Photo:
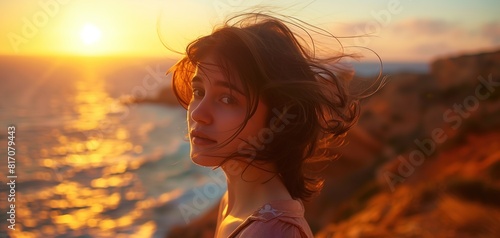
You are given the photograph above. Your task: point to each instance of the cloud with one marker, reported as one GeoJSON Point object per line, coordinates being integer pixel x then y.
{"type": "Point", "coordinates": [354, 28]}
{"type": "Point", "coordinates": [491, 31]}
{"type": "Point", "coordinates": [409, 27]}
{"type": "Point", "coordinates": [424, 26]}
{"type": "Point", "coordinates": [431, 49]}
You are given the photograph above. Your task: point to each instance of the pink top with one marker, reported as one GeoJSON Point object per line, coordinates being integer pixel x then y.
{"type": "Point", "coordinates": [282, 218]}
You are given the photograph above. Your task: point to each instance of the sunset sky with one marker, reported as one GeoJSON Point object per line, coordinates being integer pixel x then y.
{"type": "Point", "coordinates": [403, 30]}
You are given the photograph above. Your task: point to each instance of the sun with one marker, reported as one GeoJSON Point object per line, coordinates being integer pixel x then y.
{"type": "Point", "coordinates": [90, 34]}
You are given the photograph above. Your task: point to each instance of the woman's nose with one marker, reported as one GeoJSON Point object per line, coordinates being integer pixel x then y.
{"type": "Point", "coordinates": [201, 112]}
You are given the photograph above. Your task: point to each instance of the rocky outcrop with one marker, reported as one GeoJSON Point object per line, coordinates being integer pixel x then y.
{"type": "Point", "coordinates": [165, 97]}
{"type": "Point", "coordinates": [455, 195]}
{"type": "Point", "coordinates": [438, 177]}
{"type": "Point", "coordinates": [465, 69]}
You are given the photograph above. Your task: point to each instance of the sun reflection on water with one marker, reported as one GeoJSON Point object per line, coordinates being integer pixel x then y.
{"type": "Point", "coordinates": [89, 188]}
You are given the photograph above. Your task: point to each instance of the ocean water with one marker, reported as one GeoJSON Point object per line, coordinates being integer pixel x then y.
{"type": "Point", "coordinates": [365, 69]}
{"type": "Point", "coordinates": [88, 165]}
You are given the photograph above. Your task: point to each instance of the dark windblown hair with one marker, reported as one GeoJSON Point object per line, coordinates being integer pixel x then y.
{"type": "Point", "coordinates": [275, 65]}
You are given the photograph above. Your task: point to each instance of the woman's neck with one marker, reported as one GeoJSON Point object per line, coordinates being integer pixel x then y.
{"type": "Point", "coordinates": [251, 188]}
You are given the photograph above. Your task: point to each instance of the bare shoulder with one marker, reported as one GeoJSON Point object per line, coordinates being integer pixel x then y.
{"type": "Point", "coordinates": [222, 208]}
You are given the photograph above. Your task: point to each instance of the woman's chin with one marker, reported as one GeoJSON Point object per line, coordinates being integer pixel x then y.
{"type": "Point", "coordinates": [207, 161]}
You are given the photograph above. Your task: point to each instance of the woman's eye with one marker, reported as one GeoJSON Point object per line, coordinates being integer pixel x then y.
{"type": "Point", "coordinates": [198, 92]}
{"type": "Point", "coordinates": [228, 100]}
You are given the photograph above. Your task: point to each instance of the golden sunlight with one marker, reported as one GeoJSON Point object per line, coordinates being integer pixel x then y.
{"type": "Point", "coordinates": [90, 34]}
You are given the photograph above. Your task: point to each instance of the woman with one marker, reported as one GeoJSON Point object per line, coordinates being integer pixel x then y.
{"type": "Point", "coordinates": [262, 107]}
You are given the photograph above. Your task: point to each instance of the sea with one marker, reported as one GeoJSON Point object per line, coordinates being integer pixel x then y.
{"type": "Point", "coordinates": [80, 161]}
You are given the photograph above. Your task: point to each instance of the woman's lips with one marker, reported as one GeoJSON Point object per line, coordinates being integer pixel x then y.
{"type": "Point", "coordinates": [202, 141]}
{"type": "Point", "coordinates": [199, 138]}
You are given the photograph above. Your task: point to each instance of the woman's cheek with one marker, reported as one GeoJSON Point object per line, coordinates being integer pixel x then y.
{"type": "Point", "coordinates": [229, 120]}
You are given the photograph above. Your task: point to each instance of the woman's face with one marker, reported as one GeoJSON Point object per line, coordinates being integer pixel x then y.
{"type": "Point", "coordinates": [217, 109]}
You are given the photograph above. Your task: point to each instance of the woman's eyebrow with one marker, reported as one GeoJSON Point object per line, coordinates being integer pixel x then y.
{"type": "Point", "coordinates": [196, 79]}
{"type": "Point", "coordinates": [225, 84]}
{"type": "Point", "coordinates": [218, 83]}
